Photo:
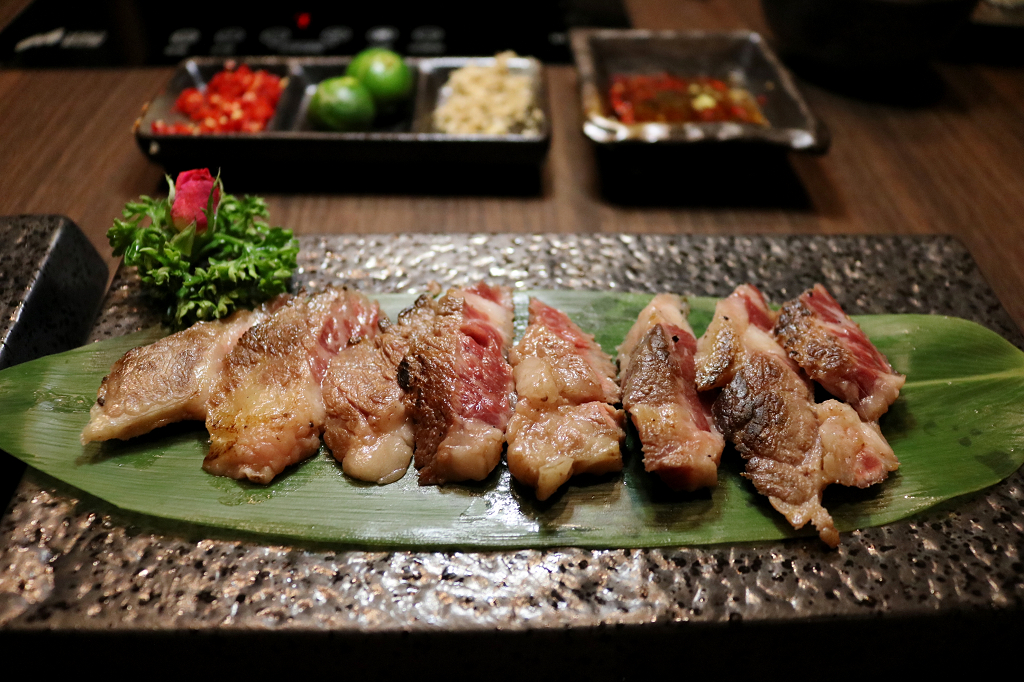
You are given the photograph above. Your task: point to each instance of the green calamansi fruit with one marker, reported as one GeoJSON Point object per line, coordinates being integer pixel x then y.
{"type": "Point", "coordinates": [342, 104]}
{"type": "Point", "coordinates": [385, 75]}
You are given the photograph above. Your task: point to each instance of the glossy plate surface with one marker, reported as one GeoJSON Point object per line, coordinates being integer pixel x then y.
{"type": "Point", "coordinates": [70, 562]}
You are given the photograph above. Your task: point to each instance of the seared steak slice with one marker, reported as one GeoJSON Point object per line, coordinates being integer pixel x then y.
{"type": "Point", "coordinates": [457, 381]}
{"type": "Point", "coordinates": [563, 424]}
{"type": "Point", "coordinates": [267, 410]}
{"type": "Point", "coordinates": [169, 380]}
{"type": "Point", "coordinates": [557, 363]}
{"type": "Point", "coordinates": [679, 444]}
{"type": "Point", "coordinates": [836, 353]}
{"type": "Point", "coordinates": [369, 429]}
{"type": "Point", "coordinates": [767, 411]}
{"type": "Point", "coordinates": [742, 322]}
{"type": "Point", "coordinates": [548, 445]}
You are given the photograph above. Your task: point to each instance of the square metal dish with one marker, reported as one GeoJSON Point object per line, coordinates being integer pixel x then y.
{"type": "Point", "coordinates": [290, 144]}
{"type": "Point", "coordinates": [739, 57]}
{"type": "Point", "coordinates": [73, 565]}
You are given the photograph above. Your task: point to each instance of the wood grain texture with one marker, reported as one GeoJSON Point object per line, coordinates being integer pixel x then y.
{"type": "Point", "coordinates": [955, 167]}
{"type": "Point", "coordinates": [9, 9]}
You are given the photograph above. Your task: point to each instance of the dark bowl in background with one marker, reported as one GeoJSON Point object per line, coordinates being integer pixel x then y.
{"type": "Point", "coordinates": [864, 34]}
{"type": "Point", "coordinates": [873, 50]}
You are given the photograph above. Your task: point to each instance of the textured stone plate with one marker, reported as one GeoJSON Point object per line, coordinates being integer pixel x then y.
{"type": "Point", "coordinates": [76, 565]}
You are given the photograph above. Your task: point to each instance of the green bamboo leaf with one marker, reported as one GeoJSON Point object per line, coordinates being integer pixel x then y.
{"type": "Point", "coordinates": [958, 427]}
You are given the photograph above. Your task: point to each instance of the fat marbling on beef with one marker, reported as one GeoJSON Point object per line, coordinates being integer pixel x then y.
{"type": "Point", "coordinates": [457, 381]}
{"type": "Point", "coordinates": [679, 442]}
{"type": "Point", "coordinates": [369, 428]}
{"type": "Point", "coordinates": [766, 409]}
{"type": "Point", "coordinates": [564, 423]}
{"type": "Point", "coordinates": [836, 353]}
{"type": "Point", "coordinates": [267, 411]}
{"type": "Point", "coordinates": [169, 380]}
{"type": "Point", "coordinates": [793, 447]}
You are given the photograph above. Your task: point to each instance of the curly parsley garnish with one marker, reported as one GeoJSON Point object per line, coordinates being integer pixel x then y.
{"type": "Point", "coordinates": [239, 261]}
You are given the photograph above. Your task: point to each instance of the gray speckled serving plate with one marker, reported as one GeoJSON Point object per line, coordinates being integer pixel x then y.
{"type": "Point", "coordinates": [73, 564]}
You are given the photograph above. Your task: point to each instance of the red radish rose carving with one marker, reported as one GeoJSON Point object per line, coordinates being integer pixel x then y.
{"type": "Point", "coordinates": [192, 197]}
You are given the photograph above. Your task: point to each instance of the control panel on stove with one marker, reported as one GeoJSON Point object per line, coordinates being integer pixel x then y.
{"type": "Point", "coordinates": [61, 33]}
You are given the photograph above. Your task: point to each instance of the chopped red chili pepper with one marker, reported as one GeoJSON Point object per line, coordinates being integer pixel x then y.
{"type": "Point", "coordinates": [235, 101]}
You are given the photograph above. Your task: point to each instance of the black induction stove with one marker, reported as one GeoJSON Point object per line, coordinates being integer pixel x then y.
{"type": "Point", "coordinates": [66, 33]}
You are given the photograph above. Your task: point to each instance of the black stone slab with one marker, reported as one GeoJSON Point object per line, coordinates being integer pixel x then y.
{"type": "Point", "coordinates": [51, 283]}
{"type": "Point", "coordinates": [83, 578]}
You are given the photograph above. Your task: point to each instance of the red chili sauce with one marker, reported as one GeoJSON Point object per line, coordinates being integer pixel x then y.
{"type": "Point", "coordinates": [235, 101]}
{"type": "Point", "coordinates": [661, 98]}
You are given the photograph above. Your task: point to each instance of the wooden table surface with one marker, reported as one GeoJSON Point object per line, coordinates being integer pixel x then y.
{"type": "Point", "coordinates": [955, 167]}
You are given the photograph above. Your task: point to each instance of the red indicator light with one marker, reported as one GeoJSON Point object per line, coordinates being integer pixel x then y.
{"type": "Point", "coordinates": [302, 20]}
